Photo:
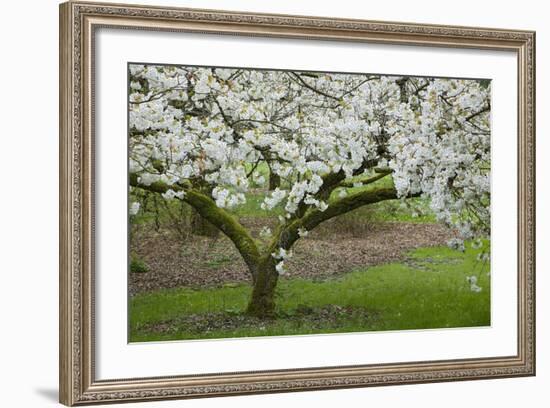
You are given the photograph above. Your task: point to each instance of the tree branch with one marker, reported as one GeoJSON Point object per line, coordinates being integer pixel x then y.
{"type": "Point", "coordinates": [370, 180]}
{"type": "Point", "coordinates": [219, 217]}
{"type": "Point", "coordinates": [312, 88]}
{"type": "Point", "coordinates": [313, 218]}
{"type": "Point", "coordinates": [486, 108]}
{"type": "Point", "coordinates": [346, 204]}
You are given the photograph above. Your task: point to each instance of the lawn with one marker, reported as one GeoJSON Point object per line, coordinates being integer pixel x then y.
{"type": "Point", "coordinates": [429, 289]}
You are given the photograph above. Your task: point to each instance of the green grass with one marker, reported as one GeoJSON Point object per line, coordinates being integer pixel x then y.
{"type": "Point", "coordinates": [251, 208]}
{"type": "Point", "coordinates": [137, 265]}
{"type": "Point", "coordinates": [220, 260]}
{"type": "Point", "coordinates": [429, 290]}
{"type": "Point", "coordinates": [261, 169]}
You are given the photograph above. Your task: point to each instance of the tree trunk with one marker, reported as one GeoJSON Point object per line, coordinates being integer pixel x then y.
{"type": "Point", "coordinates": [262, 302]}
{"type": "Point", "coordinates": [274, 180]}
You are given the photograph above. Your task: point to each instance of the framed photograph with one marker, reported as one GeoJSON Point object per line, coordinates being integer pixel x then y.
{"type": "Point", "coordinates": [256, 203]}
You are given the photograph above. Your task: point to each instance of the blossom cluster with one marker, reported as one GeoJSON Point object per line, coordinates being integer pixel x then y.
{"type": "Point", "coordinates": [209, 128]}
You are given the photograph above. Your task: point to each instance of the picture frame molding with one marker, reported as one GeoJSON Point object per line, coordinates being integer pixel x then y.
{"type": "Point", "coordinates": [78, 22]}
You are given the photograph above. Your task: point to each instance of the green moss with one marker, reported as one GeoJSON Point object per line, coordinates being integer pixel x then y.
{"type": "Point", "coordinates": [228, 224]}
{"type": "Point", "coordinates": [137, 265]}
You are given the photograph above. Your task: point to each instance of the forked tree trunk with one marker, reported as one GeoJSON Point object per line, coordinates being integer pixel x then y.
{"type": "Point", "coordinates": [262, 302]}
{"type": "Point", "coordinates": [262, 268]}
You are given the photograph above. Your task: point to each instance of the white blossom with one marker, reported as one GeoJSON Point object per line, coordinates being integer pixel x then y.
{"type": "Point", "coordinates": [282, 254]}
{"type": "Point", "coordinates": [280, 268]}
{"type": "Point", "coordinates": [276, 197]}
{"type": "Point", "coordinates": [472, 280]}
{"type": "Point", "coordinates": [456, 243]}
{"type": "Point", "coordinates": [265, 232]}
{"type": "Point", "coordinates": [196, 126]}
{"type": "Point", "coordinates": [170, 194]}
{"type": "Point", "coordinates": [477, 243]}
{"type": "Point", "coordinates": [134, 208]}
{"type": "Point", "coordinates": [342, 193]}
{"type": "Point", "coordinates": [260, 180]}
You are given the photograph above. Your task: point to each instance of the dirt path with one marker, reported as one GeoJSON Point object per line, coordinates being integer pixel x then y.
{"type": "Point", "coordinates": [200, 262]}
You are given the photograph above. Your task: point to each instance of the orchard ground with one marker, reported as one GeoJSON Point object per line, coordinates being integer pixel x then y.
{"type": "Point", "coordinates": [381, 267]}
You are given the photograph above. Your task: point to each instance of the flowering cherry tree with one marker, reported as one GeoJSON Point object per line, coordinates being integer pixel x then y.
{"type": "Point", "coordinates": [200, 134]}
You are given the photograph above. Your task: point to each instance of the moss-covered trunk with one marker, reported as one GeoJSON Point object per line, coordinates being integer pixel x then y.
{"type": "Point", "coordinates": [262, 302]}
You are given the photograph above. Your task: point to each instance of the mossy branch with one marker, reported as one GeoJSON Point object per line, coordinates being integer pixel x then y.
{"type": "Point", "coordinates": [364, 182]}
{"type": "Point", "coordinates": [289, 235]}
{"type": "Point", "coordinates": [219, 217]}
{"type": "Point", "coordinates": [346, 204]}
{"type": "Point", "coordinates": [331, 181]}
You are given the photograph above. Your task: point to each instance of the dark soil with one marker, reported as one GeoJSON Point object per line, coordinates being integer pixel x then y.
{"type": "Point", "coordinates": [201, 261]}
{"type": "Point", "coordinates": [327, 317]}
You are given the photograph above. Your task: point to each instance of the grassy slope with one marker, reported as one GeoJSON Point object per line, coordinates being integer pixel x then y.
{"type": "Point", "coordinates": [427, 291]}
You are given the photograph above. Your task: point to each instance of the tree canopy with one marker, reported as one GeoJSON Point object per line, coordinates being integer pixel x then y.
{"type": "Point", "coordinates": [200, 134]}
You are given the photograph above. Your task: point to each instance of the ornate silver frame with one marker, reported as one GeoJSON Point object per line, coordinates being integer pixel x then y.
{"type": "Point", "coordinates": [78, 21]}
